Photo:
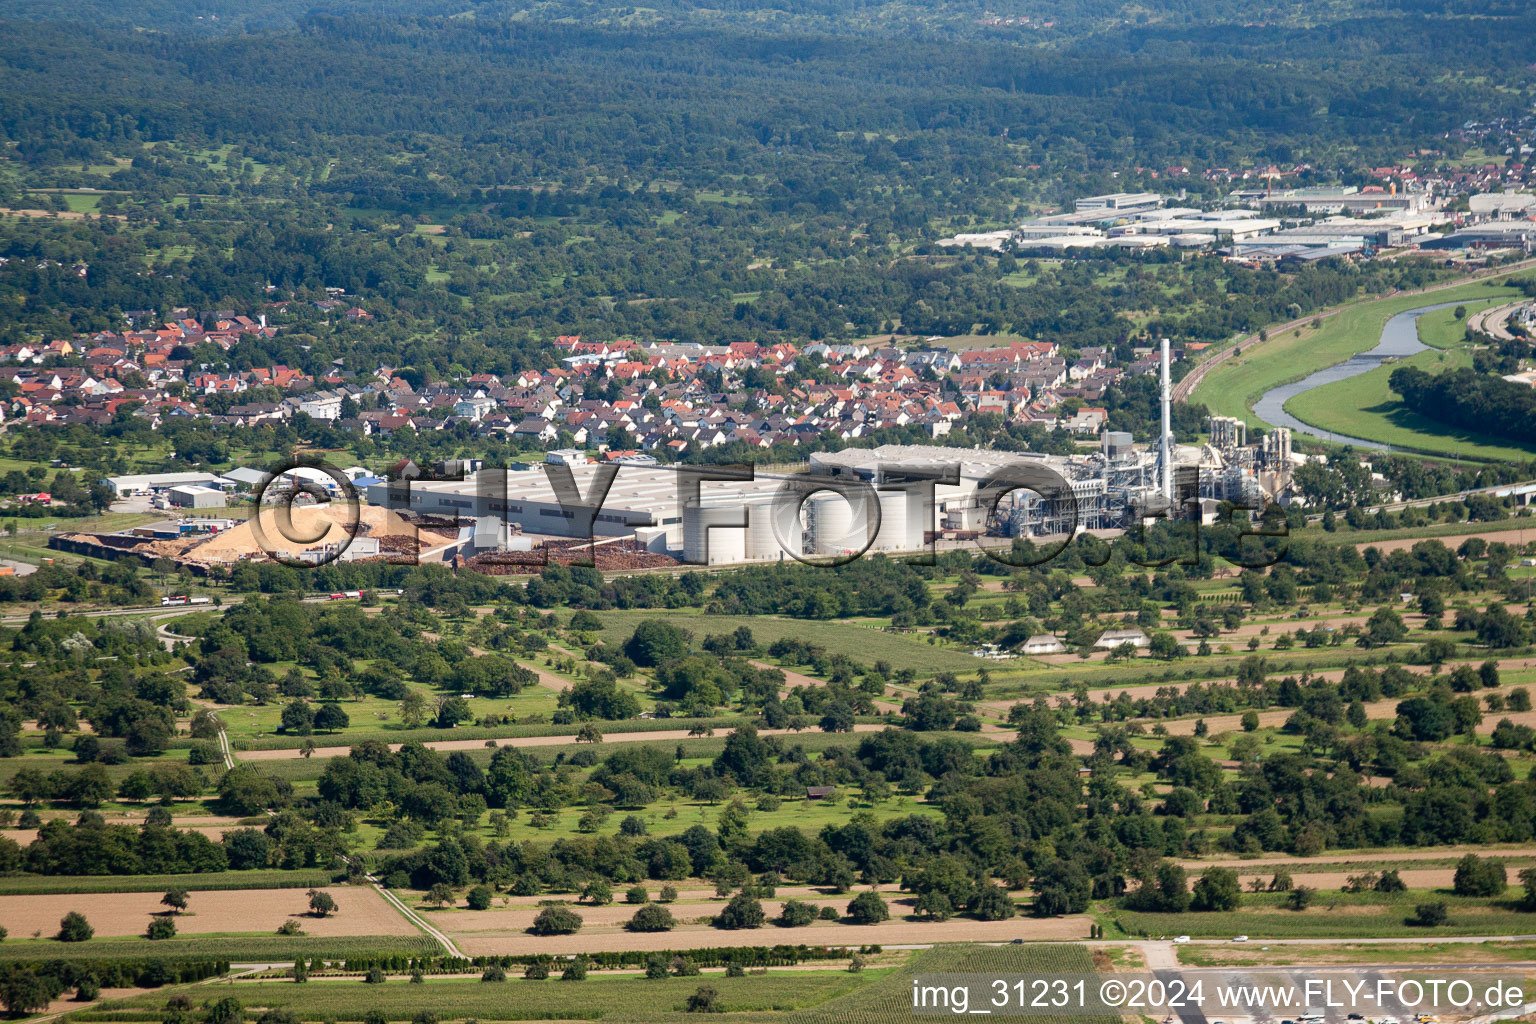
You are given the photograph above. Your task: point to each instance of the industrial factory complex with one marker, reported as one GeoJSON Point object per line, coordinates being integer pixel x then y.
{"type": "Point", "coordinates": [891, 499]}
{"type": "Point", "coordinates": [1268, 225]}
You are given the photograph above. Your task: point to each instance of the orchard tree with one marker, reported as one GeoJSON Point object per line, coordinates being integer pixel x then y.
{"type": "Point", "coordinates": [321, 903]}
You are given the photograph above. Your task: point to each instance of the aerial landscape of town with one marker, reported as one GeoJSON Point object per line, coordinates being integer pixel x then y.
{"type": "Point", "coordinates": [804, 512]}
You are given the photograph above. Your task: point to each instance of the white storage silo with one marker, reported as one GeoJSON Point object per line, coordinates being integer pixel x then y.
{"type": "Point", "coordinates": [713, 529]}
{"type": "Point", "coordinates": [834, 527]}
{"type": "Point", "coordinates": [773, 530]}
{"type": "Point", "coordinates": [895, 532]}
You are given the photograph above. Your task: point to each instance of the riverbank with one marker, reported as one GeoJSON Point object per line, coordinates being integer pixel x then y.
{"type": "Point", "coordinates": [1231, 388]}
{"type": "Point", "coordinates": [1366, 406]}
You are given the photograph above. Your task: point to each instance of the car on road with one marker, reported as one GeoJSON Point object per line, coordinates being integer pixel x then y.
{"type": "Point", "coordinates": [1239, 938]}
{"type": "Point", "coordinates": [1180, 939]}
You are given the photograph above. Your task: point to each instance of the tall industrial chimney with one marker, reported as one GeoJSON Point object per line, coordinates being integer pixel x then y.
{"type": "Point", "coordinates": [1165, 442]}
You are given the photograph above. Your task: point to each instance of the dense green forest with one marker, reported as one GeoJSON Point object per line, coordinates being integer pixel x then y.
{"type": "Point", "coordinates": [484, 183]}
{"type": "Point", "coordinates": [1472, 401]}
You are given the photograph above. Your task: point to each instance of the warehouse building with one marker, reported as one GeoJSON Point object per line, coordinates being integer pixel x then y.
{"type": "Point", "coordinates": [1502, 234]}
{"type": "Point", "coordinates": [1347, 199]}
{"type": "Point", "coordinates": [730, 518]}
{"type": "Point", "coordinates": [1119, 201]}
{"type": "Point", "coordinates": [193, 496]}
{"type": "Point", "coordinates": [148, 483]}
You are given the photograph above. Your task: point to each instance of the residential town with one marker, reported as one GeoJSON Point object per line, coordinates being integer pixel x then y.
{"type": "Point", "coordinates": [664, 399]}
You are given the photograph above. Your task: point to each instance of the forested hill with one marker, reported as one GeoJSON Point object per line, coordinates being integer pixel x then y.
{"type": "Point", "coordinates": [484, 178]}
{"type": "Point", "coordinates": [1126, 24]}
{"type": "Point", "coordinates": [528, 85]}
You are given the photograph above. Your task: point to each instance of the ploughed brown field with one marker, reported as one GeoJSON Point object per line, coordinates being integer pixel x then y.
{"type": "Point", "coordinates": [1513, 538]}
{"type": "Point", "coordinates": [1367, 860]}
{"type": "Point", "coordinates": [361, 911]}
{"type": "Point", "coordinates": [25, 836]}
{"type": "Point", "coordinates": [1333, 881]}
{"type": "Point", "coordinates": [659, 736]}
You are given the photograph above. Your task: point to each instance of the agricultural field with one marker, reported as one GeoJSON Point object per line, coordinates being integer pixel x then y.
{"type": "Point", "coordinates": [580, 780]}
{"type": "Point", "coordinates": [460, 775]}
{"type": "Point", "coordinates": [809, 993]}
{"type": "Point", "coordinates": [360, 911]}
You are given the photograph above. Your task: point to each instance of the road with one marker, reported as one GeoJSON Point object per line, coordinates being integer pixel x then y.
{"type": "Point", "coordinates": [1493, 322]}
{"type": "Point", "coordinates": [415, 918]}
{"type": "Point", "coordinates": [379, 887]}
{"type": "Point", "coordinates": [224, 747]}
{"type": "Point", "coordinates": [157, 612]}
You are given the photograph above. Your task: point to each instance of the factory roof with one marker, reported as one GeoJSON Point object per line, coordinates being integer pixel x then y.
{"type": "Point", "coordinates": [636, 488]}
{"type": "Point", "coordinates": [144, 481]}
{"type": "Point", "coordinates": [974, 462]}
{"type": "Point", "coordinates": [246, 475]}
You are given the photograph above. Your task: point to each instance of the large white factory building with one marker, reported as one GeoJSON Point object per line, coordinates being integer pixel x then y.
{"type": "Point", "coordinates": [893, 499]}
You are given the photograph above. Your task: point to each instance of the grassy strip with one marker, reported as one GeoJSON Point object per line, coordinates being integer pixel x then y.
{"type": "Point", "coordinates": [238, 948]}
{"type": "Point", "coordinates": [471, 732]}
{"type": "Point", "coordinates": [1440, 328]}
{"type": "Point", "coordinates": [869, 641]}
{"type": "Point", "coordinates": [1365, 406]}
{"type": "Point", "coordinates": [1318, 923]}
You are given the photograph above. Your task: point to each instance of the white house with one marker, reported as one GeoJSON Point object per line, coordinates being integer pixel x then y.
{"type": "Point", "coordinates": [1043, 643]}
{"type": "Point", "coordinates": [1112, 638]}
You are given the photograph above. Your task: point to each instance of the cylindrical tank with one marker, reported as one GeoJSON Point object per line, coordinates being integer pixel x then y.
{"type": "Point", "coordinates": [834, 528]}
{"type": "Point", "coordinates": [725, 542]}
{"type": "Point", "coordinates": [768, 540]}
{"type": "Point", "coordinates": [895, 532]}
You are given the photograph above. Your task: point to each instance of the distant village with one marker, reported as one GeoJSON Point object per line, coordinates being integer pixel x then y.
{"type": "Point", "coordinates": [623, 396]}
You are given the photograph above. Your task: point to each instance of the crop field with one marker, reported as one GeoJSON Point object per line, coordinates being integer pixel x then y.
{"type": "Point", "coordinates": [612, 998]}
{"type": "Point", "coordinates": [910, 650]}
{"type": "Point", "coordinates": [361, 911]}
{"type": "Point", "coordinates": [891, 998]}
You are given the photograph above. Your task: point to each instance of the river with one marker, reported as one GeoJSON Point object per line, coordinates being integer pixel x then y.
{"type": "Point", "coordinates": [1399, 338]}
